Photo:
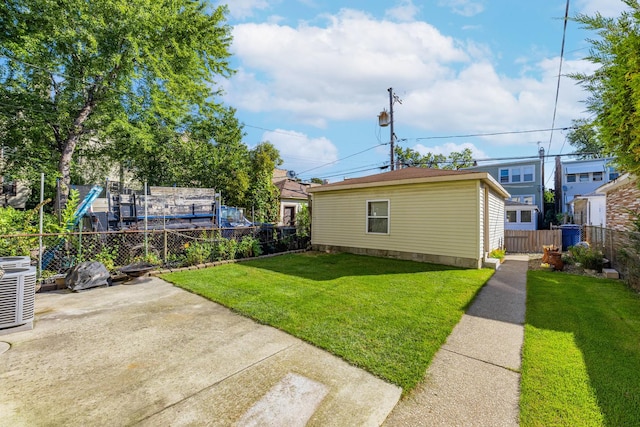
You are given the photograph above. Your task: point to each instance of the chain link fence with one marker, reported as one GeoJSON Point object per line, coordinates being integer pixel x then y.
{"type": "Point", "coordinates": [169, 248]}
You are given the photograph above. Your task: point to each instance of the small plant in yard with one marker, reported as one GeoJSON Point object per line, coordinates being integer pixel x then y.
{"type": "Point", "coordinates": [588, 257]}
{"type": "Point", "coordinates": [107, 256]}
{"type": "Point", "coordinates": [498, 254]}
{"type": "Point", "coordinates": [151, 258]}
{"type": "Point", "coordinates": [226, 249]}
{"type": "Point", "coordinates": [249, 247]}
{"type": "Point", "coordinates": [198, 252]}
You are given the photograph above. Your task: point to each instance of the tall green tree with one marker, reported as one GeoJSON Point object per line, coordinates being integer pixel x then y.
{"type": "Point", "coordinates": [614, 86]}
{"type": "Point", "coordinates": [584, 138]}
{"type": "Point", "coordinates": [91, 72]}
{"type": "Point", "coordinates": [263, 194]}
{"type": "Point", "coordinates": [412, 158]}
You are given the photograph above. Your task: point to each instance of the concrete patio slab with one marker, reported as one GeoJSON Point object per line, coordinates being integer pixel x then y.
{"type": "Point", "coordinates": [148, 353]}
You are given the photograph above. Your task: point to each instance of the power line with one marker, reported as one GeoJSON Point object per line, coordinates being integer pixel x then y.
{"type": "Point", "coordinates": [356, 171]}
{"type": "Point", "coordinates": [555, 106]}
{"type": "Point", "coordinates": [274, 131]}
{"type": "Point", "coordinates": [344, 158]}
{"type": "Point", "coordinates": [493, 133]}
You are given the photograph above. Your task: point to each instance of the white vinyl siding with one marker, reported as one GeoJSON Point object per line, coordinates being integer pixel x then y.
{"type": "Point", "coordinates": [432, 218]}
{"type": "Point", "coordinates": [481, 219]}
{"type": "Point", "coordinates": [496, 221]}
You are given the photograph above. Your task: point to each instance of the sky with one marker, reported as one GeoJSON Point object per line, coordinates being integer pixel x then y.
{"type": "Point", "coordinates": [312, 76]}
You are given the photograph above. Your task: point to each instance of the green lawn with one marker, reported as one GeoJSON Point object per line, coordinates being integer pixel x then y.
{"type": "Point", "coordinates": [386, 316]}
{"type": "Point", "coordinates": [581, 356]}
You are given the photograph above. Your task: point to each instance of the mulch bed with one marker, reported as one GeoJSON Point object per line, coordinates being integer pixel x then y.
{"type": "Point", "coordinates": [535, 261]}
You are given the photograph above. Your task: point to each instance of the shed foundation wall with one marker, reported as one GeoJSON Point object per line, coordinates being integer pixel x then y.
{"type": "Point", "coordinates": [411, 256]}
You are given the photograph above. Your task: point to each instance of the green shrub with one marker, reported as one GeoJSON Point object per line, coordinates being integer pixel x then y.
{"type": "Point", "coordinates": [249, 247]}
{"type": "Point", "coordinates": [107, 256]}
{"type": "Point", "coordinates": [198, 253]}
{"type": "Point", "coordinates": [226, 249]}
{"type": "Point", "coordinates": [498, 253]}
{"type": "Point", "coordinates": [588, 257]}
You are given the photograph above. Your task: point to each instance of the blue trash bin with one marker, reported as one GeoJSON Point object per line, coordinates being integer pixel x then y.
{"type": "Point", "coordinates": [570, 235]}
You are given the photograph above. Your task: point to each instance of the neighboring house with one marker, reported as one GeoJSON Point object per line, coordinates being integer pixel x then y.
{"type": "Point", "coordinates": [589, 209]}
{"type": "Point", "coordinates": [622, 202]}
{"type": "Point", "coordinates": [522, 179]}
{"type": "Point", "coordinates": [580, 177]}
{"type": "Point", "coordinates": [14, 194]}
{"type": "Point", "coordinates": [520, 216]}
{"type": "Point", "coordinates": [293, 196]}
{"type": "Point", "coordinates": [431, 215]}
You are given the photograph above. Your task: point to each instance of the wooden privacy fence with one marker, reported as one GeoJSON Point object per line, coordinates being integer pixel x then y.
{"type": "Point", "coordinates": [530, 241]}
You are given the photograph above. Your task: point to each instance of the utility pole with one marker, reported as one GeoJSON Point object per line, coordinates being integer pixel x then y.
{"type": "Point", "coordinates": [385, 119]}
{"type": "Point", "coordinates": [541, 153]}
{"type": "Point", "coordinates": [391, 127]}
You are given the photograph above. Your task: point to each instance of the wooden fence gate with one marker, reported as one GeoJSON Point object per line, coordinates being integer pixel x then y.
{"type": "Point", "coordinates": [530, 241]}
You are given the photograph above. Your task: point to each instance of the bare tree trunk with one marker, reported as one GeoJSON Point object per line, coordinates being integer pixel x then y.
{"type": "Point", "coordinates": [68, 148]}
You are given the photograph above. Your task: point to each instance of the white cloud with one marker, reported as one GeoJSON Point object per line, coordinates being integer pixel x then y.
{"type": "Point", "coordinates": [299, 151]}
{"type": "Point", "coordinates": [405, 11]}
{"type": "Point", "coordinates": [337, 72]}
{"type": "Point", "coordinates": [463, 7]}
{"type": "Point", "coordinates": [340, 72]}
{"type": "Point", "coordinates": [608, 8]}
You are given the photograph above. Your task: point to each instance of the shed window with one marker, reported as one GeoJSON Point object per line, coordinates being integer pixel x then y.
{"type": "Point", "coordinates": [525, 216]}
{"type": "Point", "coordinates": [584, 177]}
{"type": "Point", "coordinates": [378, 216]}
{"type": "Point", "coordinates": [597, 176]}
{"type": "Point", "coordinates": [571, 177]}
{"type": "Point", "coordinates": [512, 216]}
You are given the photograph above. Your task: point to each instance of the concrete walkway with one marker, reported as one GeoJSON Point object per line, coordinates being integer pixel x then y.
{"type": "Point", "coordinates": [474, 378]}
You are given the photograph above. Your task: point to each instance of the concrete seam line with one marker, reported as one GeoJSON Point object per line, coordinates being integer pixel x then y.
{"type": "Point", "coordinates": [483, 361]}
{"type": "Point", "coordinates": [215, 383]}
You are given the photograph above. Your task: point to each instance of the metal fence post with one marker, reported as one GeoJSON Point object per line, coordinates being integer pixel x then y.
{"type": "Point", "coordinates": [164, 232]}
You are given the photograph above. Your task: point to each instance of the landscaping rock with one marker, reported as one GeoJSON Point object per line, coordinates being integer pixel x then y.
{"type": "Point", "coordinates": [610, 273]}
{"type": "Point", "coordinates": [89, 274]}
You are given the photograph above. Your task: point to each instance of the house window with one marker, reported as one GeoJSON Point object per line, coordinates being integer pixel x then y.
{"type": "Point", "coordinates": [571, 177]}
{"type": "Point", "coordinates": [527, 200]}
{"type": "Point", "coordinates": [597, 176]}
{"type": "Point", "coordinates": [378, 216]}
{"type": "Point", "coordinates": [515, 175]}
{"type": "Point", "coordinates": [584, 177]}
{"type": "Point", "coordinates": [511, 216]}
{"type": "Point", "coordinates": [525, 216]}
{"type": "Point", "coordinates": [527, 174]}
{"type": "Point", "coordinates": [504, 176]}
